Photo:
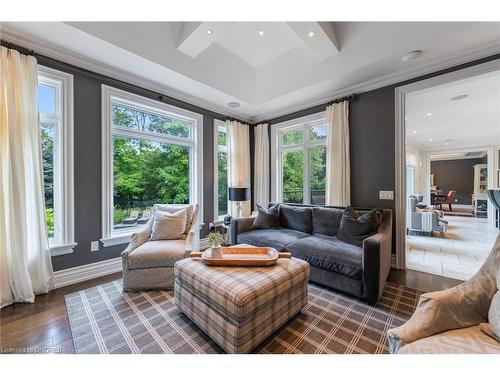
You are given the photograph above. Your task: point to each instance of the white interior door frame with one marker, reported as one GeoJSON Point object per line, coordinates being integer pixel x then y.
{"type": "Point", "coordinates": [400, 138]}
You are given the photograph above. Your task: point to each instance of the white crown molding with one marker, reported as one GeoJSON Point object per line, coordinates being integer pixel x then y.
{"type": "Point", "coordinates": [387, 80]}
{"type": "Point", "coordinates": [86, 272]}
{"type": "Point", "coordinates": [55, 52]}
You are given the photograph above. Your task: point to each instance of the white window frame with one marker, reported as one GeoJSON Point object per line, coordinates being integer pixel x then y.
{"type": "Point", "coordinates": [278, 150]}
{"type": "Point", "coordinates": [110, 95]}
{"type": "Point", "coordinates": [64, 226]}
{"type": "Point", "coordinates": [217, 123]}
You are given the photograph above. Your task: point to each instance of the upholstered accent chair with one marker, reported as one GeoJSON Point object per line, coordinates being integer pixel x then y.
{"type": "Point", "coordinates": [149, 264]}
{"type": "Point", "coordinates": [423, 221]}
{"type": "Point", "coordinates": [449, 321]}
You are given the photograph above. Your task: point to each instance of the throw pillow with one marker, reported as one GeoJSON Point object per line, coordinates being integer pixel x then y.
{"type": "Point", "coordinates": [267, 218]}
{"type": "Point", "coordinates": [355, 228]}
{"type": "Point", "coordinates": [172, 208]}
{"type": "Point", "coordinates": [168, 226]}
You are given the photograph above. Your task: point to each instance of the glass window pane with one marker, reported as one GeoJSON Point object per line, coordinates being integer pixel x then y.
{"type": "Point", "coordinates": [292, 137]}
{"type": "Point", "coordinates": [47, 135]}
{"type": "Point", "coordinates": [47, 99]}
{"type": "Point", "coordinates": [146, 173]}
{"type": "Point", "coordinates": [222, 171]}
{"type": "Point", "coordinates": [317, 179]}
{"type": "Point", "coordinates": [293, 177]}
{"type": "Point", "coordinates": [140, 120]}
{"type": "Point", "coordinates": [317, 132]}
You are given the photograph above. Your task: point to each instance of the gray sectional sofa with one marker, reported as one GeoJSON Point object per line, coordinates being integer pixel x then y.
{"type": "Point", "coordinates": [310, 233]}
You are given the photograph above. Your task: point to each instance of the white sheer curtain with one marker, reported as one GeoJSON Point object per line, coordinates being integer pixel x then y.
{"type": "Point", "coordinates": [261, 165]}
{"type": "Point", "coordinates": [338, 170]}
{"type": "Point", "coordinates": [25, 264]}
{"type": "Point", "coordinates": [238, 162]}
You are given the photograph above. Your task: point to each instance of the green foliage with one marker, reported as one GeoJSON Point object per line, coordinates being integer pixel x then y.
{"type": "Point", "coordinates": [49, 217]}
{"type": "Point", "coordinates": [148, 172]}
{"type": "Point", "coordinates": [47, 143]}
{"type": "Point", "coordinates": [215, 239]}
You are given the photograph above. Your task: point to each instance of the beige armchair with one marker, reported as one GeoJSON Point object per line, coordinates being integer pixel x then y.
{"type": "Point", "coordinates": [150, 264]}
{"type": "Point", "coordinates": [448, 321]}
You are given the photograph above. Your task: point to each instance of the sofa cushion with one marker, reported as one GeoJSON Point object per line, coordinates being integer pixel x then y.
{"type": "Point", "coordinates": [326, 220]}
{"type": "Point", "coordinates": [275, 238]}
{"type": "Point", "coordinates": [329, 253]}
{"type": "Point", "coordinates": [356, 227]}
{"type": "Point", "coordinates": [154, 254]}
{"type": "Point", "coordinates": [267, 218]}
{"type": "Point", "coordinates": [296, 218]}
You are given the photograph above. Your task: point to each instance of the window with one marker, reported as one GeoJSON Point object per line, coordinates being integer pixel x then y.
{"type": "Point", "coordinates": [55, 106]}
{"type": "Point", "coordinates": [299, 160]}
{"type": "Point", "coordinates": [220, 168]}
{"type": "Point", "coordinates": [151, 154]}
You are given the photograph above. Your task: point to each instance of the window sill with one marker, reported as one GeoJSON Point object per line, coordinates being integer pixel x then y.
{"type": "Point", "coordinates": [117, 239]}
{"type": "Point", "coordinates": [61, 249]}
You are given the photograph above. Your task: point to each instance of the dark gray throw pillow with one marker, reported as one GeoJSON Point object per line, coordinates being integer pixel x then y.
{"type": "Point", "coordinates": [326, 220]}
{"type": "Point", "coordinates": [356, 227]}
{"type": "Point", "coordinates": [267, 218]}
{"type": "Point", "coordinates": [296, 218]}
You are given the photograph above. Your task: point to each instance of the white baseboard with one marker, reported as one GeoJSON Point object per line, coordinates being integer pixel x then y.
{"type": "Point", "coordinates": [86, 272]}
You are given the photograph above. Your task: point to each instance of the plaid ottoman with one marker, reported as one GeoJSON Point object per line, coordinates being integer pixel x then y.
{"type": "Point", "coordinates": [239, 307]}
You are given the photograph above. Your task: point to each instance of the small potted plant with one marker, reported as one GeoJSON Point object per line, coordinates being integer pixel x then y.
{"type": "Point", "coordinates": [215, 240]}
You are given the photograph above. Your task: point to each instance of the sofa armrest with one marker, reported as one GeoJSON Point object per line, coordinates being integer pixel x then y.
{"type": "Point", "coordinates": [376, 259]}
{"type": "Point", "coordinates": [240, 225]}
{"type": "Point", "coordinates": [463, 306]}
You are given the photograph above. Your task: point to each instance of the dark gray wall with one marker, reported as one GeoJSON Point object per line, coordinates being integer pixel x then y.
{"type": "Point", "coordinates": [372, 141]}
{"type": "Point", "coordinates": [87, 164]}
{"type": "Point", "coordinates": [456, 175]}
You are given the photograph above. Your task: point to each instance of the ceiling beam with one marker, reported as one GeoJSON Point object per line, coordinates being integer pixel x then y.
{"type": "Point", "coordinates": [194, 37]}
{"type": "Point", "coordinates": [319, 37]}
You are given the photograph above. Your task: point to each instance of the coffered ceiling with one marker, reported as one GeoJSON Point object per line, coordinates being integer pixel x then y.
{"type": "Point", "coordinates": [269, 68]}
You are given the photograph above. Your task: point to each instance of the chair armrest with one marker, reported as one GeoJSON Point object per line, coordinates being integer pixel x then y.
{"type": "Point", "coordinates": [463, 306]}
{"type": "Point", "coordinates": [190, 245]}
{"type": "Point", "coordinates": [240, 225]}
{"type": "Point", "coordinates": [136, 240]}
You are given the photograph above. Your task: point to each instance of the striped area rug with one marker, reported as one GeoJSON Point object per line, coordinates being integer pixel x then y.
{"type": "Point", "coordinates": [104, 319]}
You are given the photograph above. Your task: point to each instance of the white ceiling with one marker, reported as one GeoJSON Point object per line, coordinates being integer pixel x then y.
{"type": "Point", "coordinates": [270, 75]}
{"type": "Point", "coordinates": [454, 124]}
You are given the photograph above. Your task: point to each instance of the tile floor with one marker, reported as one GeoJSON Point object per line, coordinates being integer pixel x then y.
{"type": "Point", "coordinates": [467, 244]}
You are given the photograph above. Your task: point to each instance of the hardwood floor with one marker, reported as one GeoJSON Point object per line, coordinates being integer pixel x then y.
{"type": "Point", "coordinates": [43, 326]}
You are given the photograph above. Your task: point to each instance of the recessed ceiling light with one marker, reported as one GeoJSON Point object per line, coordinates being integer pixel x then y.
{"type": "Point", "coordinates": [311, 34]}
{"type": "Point", "coordinates": [429, 114]}
{"type": "Point", "coordinates": [210, 32]}
{"type": "Point", "coordinates": [261, 32]}
{"type": "Point", "coordinates": [411, 55]}
{"type": "Point", "coordinates": [430, 139]}
{"type": "Point", "coordinates": [460, 97]}
{"type": "Point", "coordinates": [233, 104]}
{"type": "Point", "coordinates": [447, 142]}
{"type": "Point", "coordinates": [414, 132]}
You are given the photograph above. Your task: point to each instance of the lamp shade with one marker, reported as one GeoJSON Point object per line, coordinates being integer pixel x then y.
{"type": "Point", "coordinates": [239, 194]}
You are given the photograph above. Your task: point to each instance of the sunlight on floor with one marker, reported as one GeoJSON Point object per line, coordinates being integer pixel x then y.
{"type": "Point", "coordinates": [459, 255]}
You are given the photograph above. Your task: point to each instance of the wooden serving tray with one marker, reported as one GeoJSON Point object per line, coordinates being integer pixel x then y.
{"type": "Point", "coordinates": [242, 257]}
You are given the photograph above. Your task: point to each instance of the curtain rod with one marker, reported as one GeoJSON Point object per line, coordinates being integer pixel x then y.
{"type": "Point", "coordinates": [22, 50]}
{"type": "Point", "coordinates": [339, 100]}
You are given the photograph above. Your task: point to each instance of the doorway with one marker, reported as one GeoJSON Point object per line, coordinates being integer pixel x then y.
{"type": "Point", "coordinates": [447, 133]}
